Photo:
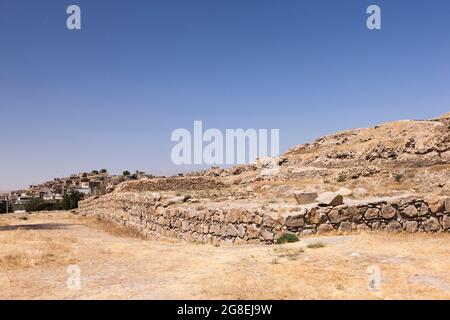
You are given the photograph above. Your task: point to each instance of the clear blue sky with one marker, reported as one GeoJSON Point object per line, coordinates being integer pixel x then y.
{"type": "Point", "coordinates": [110, 95]}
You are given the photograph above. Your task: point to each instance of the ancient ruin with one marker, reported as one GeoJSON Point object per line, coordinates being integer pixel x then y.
{"type": "Point", "coordinates": [393, 177]}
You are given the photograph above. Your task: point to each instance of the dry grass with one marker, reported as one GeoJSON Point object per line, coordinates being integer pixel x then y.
{"type": "Point", "coordinates": [117, 266]}
{"type": "Point", "coordinates": [112, 228]}
{"type": "Point", "coordinates": [13, 261]}
{"type": "Point", "coordinates": [315, 245]}
{"type": "Point", "coordinates": [288, 253]}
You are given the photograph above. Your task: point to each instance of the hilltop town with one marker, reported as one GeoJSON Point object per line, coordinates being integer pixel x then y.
{"type": "Point", "coordinates": [97, 182]}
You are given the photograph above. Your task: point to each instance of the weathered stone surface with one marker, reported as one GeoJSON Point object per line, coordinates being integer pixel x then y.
{"type": "Point", "coordinates": [411, 226]}
{"type": "Point", "coordinates": [345, 192]}
{"type": "Point", "coordinates": [447, 205]}
{"type": "Point", "coordinates": [231, 231]}
{"type": "Point", "coordinates": [388, 211]}
{"type": "Point", "coordinates": [258, 220]}
{"type": "Point", "coordinates": [313, 216]}
{"type": "Point", "coordinates": [394, 226]}
{"type": "Point", "coordinates": [345, 227]}
{"type": "Point", "coordinates": [334, 216]}
{"type": "Point", "coordinates": [294, 220]}
{"type": "Point", "coordinates": [330, 199]}
{"type": "Point", "coordinates": [325, 228]}
{"type": "Point", "coordinates": [303, 197]}
{"type": "Point", "coordinates": [323, 218]}
{"type": "Point", "coordinates": [253, 231]}
{"type": "Point", "coordinates": [423, 210]}
{"type": "Point", "coordinates": [445, 222]}
{"type": "Point", "coordinates": [232, 216]}
{"type": "Point", "coordinates": [435, 204]}
{"type": "Point", "coordinates": [267, 235]}
{"type": "Point", "coordinates": [431, 224]}
{"type": "Point", "coordinates": [371, 213]}
{"type": "Point", "coordinates": [241, 231]}
{"type": "Point", "coordinates": [223, 225]}
{"type": "Point", "coordinates": [410, 211]}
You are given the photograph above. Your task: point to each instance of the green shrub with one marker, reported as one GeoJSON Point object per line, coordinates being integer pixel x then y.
{"type": "Point", "coordinates": [341, 178]}
{"type": "Point", "coordinates": [398, 177]}
{"type": "Point", "coordinates": [287, 238]}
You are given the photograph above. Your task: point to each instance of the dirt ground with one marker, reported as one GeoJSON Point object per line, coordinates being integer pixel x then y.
{"type": "Point", "coordinates": [39, 255]}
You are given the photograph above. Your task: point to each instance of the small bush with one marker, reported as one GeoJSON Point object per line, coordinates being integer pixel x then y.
{"type": "Point", "coordinates": [398, 177]}
{"type": "Point", "coordinates": [315, 245]}
{"type": "Point", "coordinates": [341, 178]}
{"type": "Point", "coordinates": [287, 238]}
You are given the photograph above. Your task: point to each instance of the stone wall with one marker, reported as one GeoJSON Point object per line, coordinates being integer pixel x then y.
{"type": "Point", "coordinates": [155, 215]}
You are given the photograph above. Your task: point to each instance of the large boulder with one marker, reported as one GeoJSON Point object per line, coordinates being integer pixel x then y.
{"type": "Point", "coordinates": [303, 197]}
{"type": "Point", "coordinates": [325, 228]}
{"type": "Point", "coordinates": [431, 224]}
{"type": "Point", "coordinates": [411, 226]}
{"type": "Point", "coordinates": [267, 235]}
{"type": "Point", "coordinates": [394, 226]}
{"type": "Point", "coordinates": [435, 203]}
{"type": "Point", "coordinates": [410, 211]}
{"type": "Point", "coordinates": [388, 211]}
{"type": "Point", "coordinates": [330, 199]}
{"type": "Point", "coordinates": [294, 220]}
{"type": "Point", "coordinates": [345, 192]}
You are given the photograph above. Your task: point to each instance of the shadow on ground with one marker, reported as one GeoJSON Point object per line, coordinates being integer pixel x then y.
{"type": "Point", "coordinates": [37, 226]}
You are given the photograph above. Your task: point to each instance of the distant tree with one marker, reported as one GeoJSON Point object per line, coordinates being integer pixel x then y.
{"type": "Point", "coordinates": [103, 171]}
{"type": "Point", "coordinates": [134, 176]}
{"type": "Point", "coordinates": [94, 171]}
{"type": "Point", "coordinates": [33, 205]}
{"type": "Point", "coordinates": [38, 204]}
{"type": "Point", "coordinates": [84, 174]}
{"type": "Point", "coordinates": [70, 201]}
{"type": "Point", "coordinates": [126, 173]}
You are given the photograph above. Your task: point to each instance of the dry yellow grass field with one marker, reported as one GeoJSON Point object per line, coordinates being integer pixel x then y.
{"type": "Point", "coordinates": [117, 264]}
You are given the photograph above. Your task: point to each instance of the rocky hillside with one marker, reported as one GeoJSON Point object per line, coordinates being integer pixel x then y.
{"type": "Point", "coordinates": [423, 142]}
{"type": "Point", "coordinates": [408, 156]}
{"type": "Point", "coordinates": [392, 177]}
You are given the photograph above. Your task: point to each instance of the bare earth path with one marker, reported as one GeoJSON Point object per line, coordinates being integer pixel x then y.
{"type": "Point", "coordinates": [35, 254]}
